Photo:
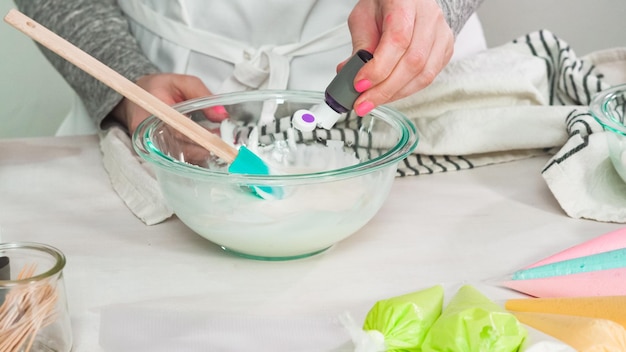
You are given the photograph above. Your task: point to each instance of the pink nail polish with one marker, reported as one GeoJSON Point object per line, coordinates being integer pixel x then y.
{"type": "Point", "coordinates": [364, 108]}
{"type": "Point", "coordinates": [220, 110]}
{"type": "Point", "coordinates": [340, 94]}
{"type": "Point", "coordinates": [362, 85]}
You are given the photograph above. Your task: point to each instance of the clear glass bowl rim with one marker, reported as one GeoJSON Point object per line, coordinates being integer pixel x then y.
{"type": "Point", "coordinates": [56, 254]}
{"type": "Point", "coordinates": [600, 112]}
{"type": "Point", "coordinates": [406, 144]}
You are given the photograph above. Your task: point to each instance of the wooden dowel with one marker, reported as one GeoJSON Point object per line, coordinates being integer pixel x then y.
{"type": "Point", "coordinates": [121, 85]}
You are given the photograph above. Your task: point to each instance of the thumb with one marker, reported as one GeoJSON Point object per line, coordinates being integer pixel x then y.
{"type": "Point", "coordinates": [191, 87]}
{"type": "Point", "coordinates": [364, 36]}
{"type": "Point", "coordinates": [360, 41]}
{"type": "Point", "coordinates": [364, 28]}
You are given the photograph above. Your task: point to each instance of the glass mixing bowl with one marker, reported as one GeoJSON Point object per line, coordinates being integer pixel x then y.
{"type": "Point", "coordinates": [331, 182]}
{"type": "Point", "coordinates": [608, 107]}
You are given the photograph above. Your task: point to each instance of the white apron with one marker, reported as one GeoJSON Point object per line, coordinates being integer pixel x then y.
{"type": "Point", "coordinates": [248, 44]}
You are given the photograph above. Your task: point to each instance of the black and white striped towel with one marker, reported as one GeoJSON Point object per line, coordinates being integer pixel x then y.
{"type": "Point", "coordinates": [533, 98]}
{"type": "Point", "coordinates": [525, 98]}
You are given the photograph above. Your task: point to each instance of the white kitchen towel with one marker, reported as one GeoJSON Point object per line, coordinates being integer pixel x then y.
{"type": "Point", "coordinates": [505, 103]}
{"type": "Point", "coordinates": [540, 102]}
{"type": "Point", "coordinates": [581, 175]}
{"type": "Point", "coordinates": [132, 178]}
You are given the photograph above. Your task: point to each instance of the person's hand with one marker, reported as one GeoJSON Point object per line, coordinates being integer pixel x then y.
{"type": "Point", "coordinates": [171, 89]}
{"type": "Point", "coordinates": [411, 43]}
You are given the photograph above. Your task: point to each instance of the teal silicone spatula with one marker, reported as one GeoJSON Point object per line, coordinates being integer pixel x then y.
{"type": "Point", "coordinates": [242, 160]}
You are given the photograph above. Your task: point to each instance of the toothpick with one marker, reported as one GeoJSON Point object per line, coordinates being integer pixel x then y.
{"type": "Point", "coordinates": [26, 309]}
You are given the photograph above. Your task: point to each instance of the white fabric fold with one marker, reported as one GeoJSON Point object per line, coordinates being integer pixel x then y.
{"type": "Point", "coordinates": [510, 102]}
{"type": "Point", "coordinates": [581, 175]}
{"type": "Point", "coordinates": [132, 178]}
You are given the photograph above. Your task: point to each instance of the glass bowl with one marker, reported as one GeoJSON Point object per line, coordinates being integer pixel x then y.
{"type": "Point", "coordinates": [332, 182]}
{"type": "Point", "coordinates": [608, 107]}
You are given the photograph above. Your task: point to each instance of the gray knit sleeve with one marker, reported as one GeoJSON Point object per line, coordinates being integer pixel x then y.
{"type": "Point", "coordinates": [99, 28]}
{"type": "Point", "coordinates": [457, 12]}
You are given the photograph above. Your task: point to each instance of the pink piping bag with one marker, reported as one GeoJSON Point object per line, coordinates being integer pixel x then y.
{"type": "Point", "coordinates": [577, 271]}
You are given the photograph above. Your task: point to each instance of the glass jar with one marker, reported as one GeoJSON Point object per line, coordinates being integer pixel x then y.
{"type": "Point", "coordinates": [33, 306]}
{"type": "Point", "coordinates": [608, 107]}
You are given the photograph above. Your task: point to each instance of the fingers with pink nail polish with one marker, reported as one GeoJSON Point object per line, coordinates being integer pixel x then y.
{"type": "Point", "coordinates": [362, 85]}
{"type": "Point", "coordinates": [364, 108]}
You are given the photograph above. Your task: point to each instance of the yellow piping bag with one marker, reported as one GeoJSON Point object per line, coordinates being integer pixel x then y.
{"type": "Point", "coordinates": [582, 333]}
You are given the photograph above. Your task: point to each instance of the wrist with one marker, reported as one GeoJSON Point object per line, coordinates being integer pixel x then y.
{"type": "Point", "coordinates": [120, 112]}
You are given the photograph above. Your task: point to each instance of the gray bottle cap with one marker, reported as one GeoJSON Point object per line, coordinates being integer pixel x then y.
{"type": "Point", "coordinates": [340, 93]}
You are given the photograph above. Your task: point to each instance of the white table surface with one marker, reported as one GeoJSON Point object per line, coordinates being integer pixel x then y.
{"type": "Point", "coordinates": [451, 228]}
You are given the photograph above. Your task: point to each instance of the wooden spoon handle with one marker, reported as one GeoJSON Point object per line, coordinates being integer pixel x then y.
{"type": "Point", "coordinates": [121, 84]}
